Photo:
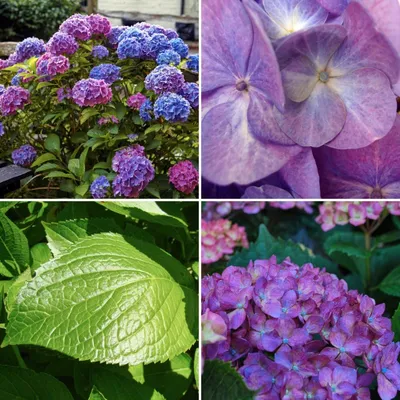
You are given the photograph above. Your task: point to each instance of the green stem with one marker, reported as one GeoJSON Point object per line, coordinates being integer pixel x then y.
{"type": "Point", "coordinates": [20, 360]}
{"type": "Point", "coordinates": [367, 237]}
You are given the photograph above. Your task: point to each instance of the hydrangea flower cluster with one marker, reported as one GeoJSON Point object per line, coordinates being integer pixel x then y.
{"type": "Point", "coordinates": [136, 100]}
{"type": "Point", "coordinates": [2, 89]}
{"type": "Point", "coordinates": [107, 120]}
{"type": "Point", "coordinates": [108, 72]}
{"type": "Point", "coordinates": [354, 213]}
{"type": "Point", "coordinates": [168, 57]}
{"type": "Point", "coordinates": [77, 26]}
{"type": "Point", "coordinates": [24, 156]}
{"type": "Point", "coordinates": [63, 93]}
{"type": "Point", "coordinates": [51, 65]}
{"type": "Point", "coordinates": [180, 47]}
{"type": "Point", "coordinates": [30, 47]}
{"type": "Point", "coordinates": [192, 63]}
{"type": "Point", "coordinates": [145, 110]}
{"type": "Point", "coordinates": [100, 52]}
{"type": "Point", "coordinates": [287, 205]}
{"type": "Point", "coordinates": [99, 187]}
{"type": "Point", "coordinates": [298, 333]}
{"type": "Point", "coordinates": [13, 99]}
{"type": "Point", "coordinates": [219, 238]}
{"type": "Point", "coordinates": [62, 44]}
{"type": "Point", "coordinates": [172, 107]}
{"type": "Point", "coordinates": [89, 92]}
{"type": "Point", "coordinates": [190, 91]}
{"type": "Point", "coordinates": [114, 34]}
{"type": "Point", "coordinates": [99, 25]}
{"type": "Point", "coordinates": [134, 169]}
{"type": "Point", "coordinates": [165, 79]}
{"type": "Point", "coordinates": [184, 176]}
{"type": "Point", "coordinates": [215, 210]}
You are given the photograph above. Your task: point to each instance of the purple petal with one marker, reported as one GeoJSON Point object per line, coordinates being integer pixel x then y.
{"type": "Point", "coordinates": [300, 336]}
{"type": "Point", "coordinates": [386, 389]}
{"type": "Point", "coordinates": [325, 376]}
{"type": "Point", "coordinates": [236, 318]}
{"type": "Point", "coordinates": [334, 6]}
{"type": "Point", "coordinates": [315, 121]}
{"type": "Point", "coordinates": [266, 192]}
{"type": "Point", "coordinates": [364, 46]}
{"type": "Point", "coordinates": [338, 339]}
{"type": "Point", "coordinates": [271, 341]}
{"type": "Point", "coordinates": [357, 345]}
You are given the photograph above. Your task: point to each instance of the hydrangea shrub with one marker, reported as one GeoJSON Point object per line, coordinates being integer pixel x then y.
{"type": "Point", "coordinates": [91, 93]}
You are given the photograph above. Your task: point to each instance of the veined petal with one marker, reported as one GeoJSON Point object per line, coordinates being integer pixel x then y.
{"type": "Point", "coordinates": [334, 6]}
{"type": "Point", "coordinates": [266, 192]}
{"type": "Point", "coordinates": [386, 389]}
{"type": "Point", "coordinates": [315, 121]}
{"type": "Point", "coordinates": [364, 46]}
{"type": "Point", "coordinates": [370, 104]}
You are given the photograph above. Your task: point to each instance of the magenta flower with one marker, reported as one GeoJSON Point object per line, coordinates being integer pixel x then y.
{"type": "Point", "coordinates": [57, 65]}
{"type": "Point", "coordinates": [339, 381]}
{"type": "Point", "coordinates": [213, 328]}
{"type": "Point", "coordinates": [99, 25]}
{"type": "Point", "coordinates": [136, 100]}
{"type": "Point", "coordinates": [297, 362]}
{"type": "Point", "coordinates": [184, 176]}
{"type": "Point", "coordinates": [13, 99]}
{"type": "Point", "coordinates": [90, 92]}
{"type": "Point", "coordinates": [62, 44]}
{"type": "Point", "coordinates": [77, 26]}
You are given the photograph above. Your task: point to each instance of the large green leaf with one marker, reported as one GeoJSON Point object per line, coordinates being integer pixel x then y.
{"type": "Point", "coordinates": [391, 283]}
{"type": "Point", "coordinates": [220, 382]}
{"type": "Point", "coordinates": [108, 298]}
{"type": "Point", "coordinates": [114, 386]}
{"type": "Point", "coordinates": [24, 384]}
{"type": "Point", "coordinates": [267, 246]}
{"type": "Point", "coordinates": [96, 395]}
{"type": "Point", "coordinates": [146, 211]}
{"type": "Point", "coordinates": [40, 255]}
{"type": "Point", "coordinates": [14, 248]}
{"type": "Point", "coordinates": [171, 378]}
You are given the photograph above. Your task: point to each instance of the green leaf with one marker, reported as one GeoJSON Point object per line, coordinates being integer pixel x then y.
{"type": "Point", "coordinates": [47, 167]}
{"type": "Point", "coordinates": [96, 395]}
{"type": "Point", "coordinates": [81, 190]}
{"type": "Point", "coordinates": [118, 387]}
{"type": "Point", "coordinates": [220, 382]}
{"type": "Point", "coordinates": [145, 210]}
{"type": "Point", "coordinates": [15, 289]}
{"type": "Point", "coordinates": [86, 114]}
{"type": "Point", "coordinates": [57, 174]}
{"type": "Point", "coordinates": [138, 233]}
{"type": "Point", "coordinates": [44, 158]}
{"type": "Point", "coordinates": [389, 237]}
{"type": "Point", "coordinates": [40, 255]}
{"type": "Point", "coordinates": [20, 383]}
{"type": "Point", "coordinates": [196, 367]}
{"type": "Point", "coordinates": [74, 165]}
{"type": "Point", "coordinates": [120, 110]}
{"type": "Point", "coordinates": [52, 143]}
{"type": "Point", "coordinates": [14, 248]}
{"type": "Point", "coordinates": [171, 379]}
{"type": "Point", "coordinates": [195, 268]}
{"type": "Point", "coordinates": [267, 246]}
{"type": "Point", "coordinates": [396, 324]}
{"type": "Point", "coordinates": [111, 299]}
{"type": "Point", "coordinates": [391, 283]}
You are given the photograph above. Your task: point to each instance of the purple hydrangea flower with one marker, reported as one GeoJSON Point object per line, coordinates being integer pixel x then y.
{"type": "Point", "coordinates": [13, 99]}
{"type": "Point", "coordinates": [63, 93]}
{"type": "Point", "coordinates": [99, 187]}
{"type": "Point", "coordinates": [136, 100]}
{"type": "Point", "coordinates": [172, 107]}
{"type": "Point", "coordinates": [2, 89]}
{"type": "Point", "coordinates": [145, 109]}
{"type": "Point", "coordinates": [3, 64]}
{"type": "Point", "coordinates": [157, 44]}
{"type": "Point", "coordinates": [184, 176]}
{"type": "Point", "coordinates": [124, 155]}
{"type": "Point", "coordinates": [108, 72]}
{"type": "Point", "coordinates": [190, 91]}
{"type": "Point", "coordinates": [133, 136]}
{"type": "Point", "coordinates": [1, 129]}
{"type": "Point", "coordinates": [90, 92]}
{"type": "Point", "coordinates": [192, 63]}
{"type": "Point", "coordinates": [180, 47]}
{"type": "Point", "coordinates": [129, 48]}
{"type": "Point", "coordinates": [168, 57]}
{"type": "Point", "coordinates": [41, 64]}
{"type": "Point", "coordinates": [62, 44]}
{"type": "Point", "coordinates": [171, 34]}
{"type": "Point", "coordinates": [165, 78]}
{"type": "Point", "coordinates": [77, 26]}
{"type": "Point", "coordinates": [100, 52]}
{"type": "Point", "coordinates": [108, 120]}
{"type": "Point", "coordinates": [99, 25]}
{"type": "Point", "coordinates": [30, 47]}
{"type": "Point", "coordinates": [16, 80]}
{"type": "Point", "coordinates": [24, 156]}
{"type": "Point", "coordinates": [114, 34]}
{"type": "Point", "coordinates": [57, 65]}
{"type": "Point", "coordinates": [153, 29]}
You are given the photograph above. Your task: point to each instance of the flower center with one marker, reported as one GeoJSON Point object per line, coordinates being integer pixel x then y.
{"type": "Point", "coordinates": [285, 341]}
{"type": "Point", "coordinates": [342, 350]}
{"type": "Point", "coordinates": [323, 76]}
{"type": "Point", "coordinates": [384, 370]}
{"type": "Point", "coordinates": [376, 193]}
{"type": "Point", "coordinates": [241, 86]}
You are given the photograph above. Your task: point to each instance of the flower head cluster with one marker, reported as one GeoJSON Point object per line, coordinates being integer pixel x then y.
{"type": "Point", "coordinates": [287, 205]}
{"type": "Point", "coordinates": [190, 91]}
{"type": "Point", "coordinates": [354, 213]}
{"type": "Point", "coordinates": [192, 63]}
{"type": "Point", "coordinates": [172, 107]}
{"type": "Point", "coordinates": [89, 92]}
{"type": "Point", "coordinates": [107, 120]}
{"type": "Point", "coordinates": [145, 110]}
{"type": "Point", "coordinates": [157, 44]}
{"type": "Point", "coordinates": [16, 80]}
{"type": "Point", "coordinates": [99, 25]}
{"type": "Point", "coordinates": [132, 32]}
{"type": "Point", "coordinates": [215, 210]}
{"type": "Point", "coordinates": [24, 156]}
{"type": "Point", "coordinates": [3, 64]}
{"type": "Point", "coordinates": [184, 176]}
{"type": "Point", "coordinates": [57, 65]}
{"type": "Point", "coordinates": [136, 100]}
{"type": "Point", "coordinates": [77, 26]}
{"type": "Point", "coordinates": [114, 35]}
{"type": "Point", "coordinates": [108, 72]}
{"type": "Point", "coordinates": [63, 93]}
{"type": "Point", "coordinates": [99, 187]}
{"type": "Point", "coordinates": [62, 44]}
{"type": "Point", "coordinates": [168, 57]}
{"type": "Point", "coordinates": [135, 171]}
{"type": "Point", "coordinates": [219, 238]}
{"type": "Point", "coordinates": [30, 47]}
{"type": "Point", "coordinates": [129, 48]}
{"type": "Point", "coordinates": [315, 330]}
{"type": "Point", "coordinates": [100, 52]}
{"type": "Point", "coordinates": [165, 78]}
{"type": "Point", "coordinates": [180, 47]}
{"type": "Point", "coordinates": [13, 99]}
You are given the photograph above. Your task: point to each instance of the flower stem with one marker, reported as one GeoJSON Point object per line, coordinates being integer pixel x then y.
{"type": "Point", "coordinates": [367, 237]}
{"type": "Point", "coordinates": [20, 360]}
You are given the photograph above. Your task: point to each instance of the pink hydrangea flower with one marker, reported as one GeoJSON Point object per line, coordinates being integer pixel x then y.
{"type": "Point", "coordinates": [13, 99]}
{"type": "Point", "coordinates": [136, 100]}
{"type": "Point", "coordinates": [99, 25]}
{"type": "Point", "coordinates": [216, 210]}
{"type": "Point", "coordinates": [184, 176]}
{"type": "Point", "coordinates": [77, 26]}
{"type": "Point", "coordinates": [90, 92]}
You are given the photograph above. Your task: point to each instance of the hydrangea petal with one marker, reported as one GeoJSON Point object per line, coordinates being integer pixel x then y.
{"type": "Point", "coordinates": [371, 107]}
{"type": "Point", "coordinates": [386, 389]}
{"type": "Point", "coordinates": [266, 192]}
{"type": "Point", "coordinates": [334, 6]}
{"type": "Point", "coordinates": [364, 46]}
{"type": "Point", "coordinates": [315, 121]}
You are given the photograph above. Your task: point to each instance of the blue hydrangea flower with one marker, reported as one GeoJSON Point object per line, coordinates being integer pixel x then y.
{"type": "Point", "coordinates": [114, 34]}
{"type": "Point", "coordinates": [190, 92]}
{"type": "Point", "coordinates": [172, 107]}
{"type": "Point", "coordinates": [165, 78]}
{"type": "Point", "coordinates": [145, 110]}
{"type": "Point", "coordinates": [108, 72]}
{"type": "Point", "coordinates": [193, 63]}
{"type": "Point", "coordinates": [16, 80]}
{"type": "Point", "coordinates": [155, 45]}
{"type": "Point", "coordinates": [141, 36]}
{"type": "Point", "coordinates": [2, 89]}
{"type": "Point", "coordinates": [133, 136]}
{"type": "Point", "coordinates": [30, 47]}
{"type": "Point", "coordinates": [180, 47]}
{"type": "Point", "coordinates": [129, 48]}
{"type": "Point", "coordinates": [100, 52]}
{"type": "Point", "coordinates": [24, 156]}
{"type": "Point", "coordinates": [168, 57]}
{"type": "Point", "coordinates": [99, 187]}
{"type": "Point", "coordinates": [1, 129]}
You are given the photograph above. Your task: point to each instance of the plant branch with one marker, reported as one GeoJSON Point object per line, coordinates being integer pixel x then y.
{"type": "Point", "coordinates": [18, 356]}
